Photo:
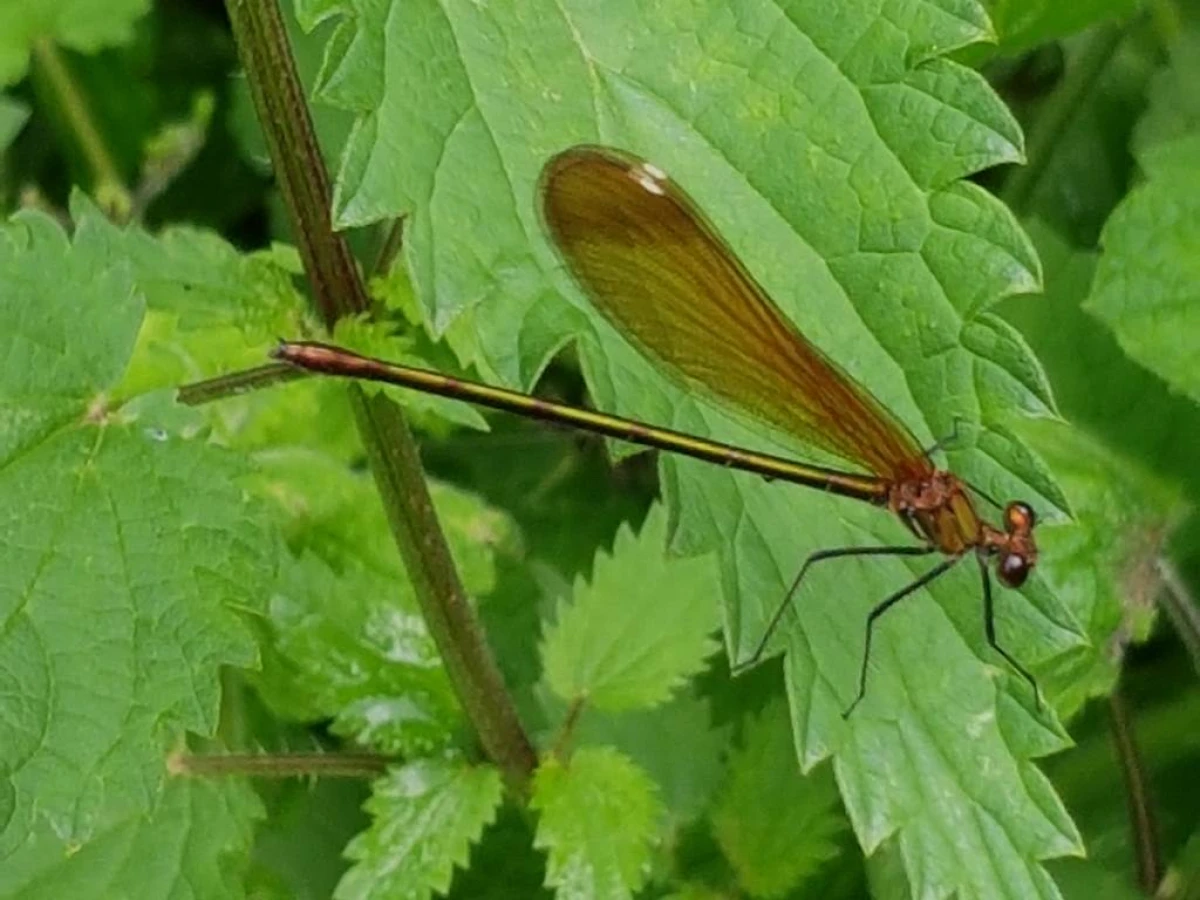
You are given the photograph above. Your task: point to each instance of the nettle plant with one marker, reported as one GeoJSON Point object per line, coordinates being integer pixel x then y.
{"type": "Point", "coordinates": [251, 648]}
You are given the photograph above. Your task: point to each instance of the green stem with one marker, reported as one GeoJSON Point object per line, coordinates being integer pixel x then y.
{"type": "Point", "coordinates": [1057, 114]}
{"type": "Point", "coordinates": [338, 290]}
{"type": "Point", "coordinates": [109, 186]}
{"type": "Point", "coordinates": [276, 765]}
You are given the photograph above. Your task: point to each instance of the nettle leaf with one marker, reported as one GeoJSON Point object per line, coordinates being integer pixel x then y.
{"type": "Point", "coordinates": [1146, 280]}
{"type": "Point", "coordinates": [127, 552]}
{"type": "Point", "coordinates": [598, 815]}
{"type": "Point", "coordinates": [1145, 284]}
{"type": "Point", "coordinates": [829, 150]}
{"type": "Point", "coordinates": [194, 841]}
{"type": "Point", "coordinates": [676, 743]}
{"type": "Point", "coordinates": [426, 816]}
{"type": "Point", "coordinates": [83, 25]}
{"type": "Point", "coordinates": [774, 825]}
{"type": "Point", "coordinates": [346, 637]}
{"type": "Point", "coordinates": [639, 630]}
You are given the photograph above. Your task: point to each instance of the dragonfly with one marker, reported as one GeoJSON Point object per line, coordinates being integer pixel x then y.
{"type": "Point", "coordinates": [649, 261]}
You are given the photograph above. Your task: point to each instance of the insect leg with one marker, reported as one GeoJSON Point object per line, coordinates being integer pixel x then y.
{"type": "Point", "coordinates": [940, 569]}
{"type": "Point", "coordinates": [819, 555]}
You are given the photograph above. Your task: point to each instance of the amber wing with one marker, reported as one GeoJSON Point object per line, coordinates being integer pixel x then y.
{"type": "Point", "coordinates": [650, 261]}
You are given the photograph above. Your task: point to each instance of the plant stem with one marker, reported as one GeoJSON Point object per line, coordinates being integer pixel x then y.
{"type": "Point", "coordinates": [276, 765]}
{"type": "Point", "coordinates": [338, 290]}
{"type": "Point", "coordinates": [1180, 607]}
{"type": "Point", "coordinates": [1137, 798]}
{"type": "Point", "coordinates": [1058, 113]}
{"type": "Point", "coordinates": [110, 189]}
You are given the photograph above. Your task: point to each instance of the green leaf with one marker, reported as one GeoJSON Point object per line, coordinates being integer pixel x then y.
{"type": "Point", "coordinates": [84, 25]}
{"type": "Point", "coordinates": [639, 630]}
{"type": "Point", "coordinates": [127, 552]}
{"type": "Point", "coordinates": [1022, 24]}
{"type": "Point", "coordinates": [427, 814]}
{"type": "Point", "coordinates": [1099, 387]}
{"type": "Point", "coordinates": [193, 840]}
{"type": "Point", "coordinates": [13, 115]}
{"type": "Point", "coordinates": [774, 825]}
{"type": "Point", "coordinates": [346, 637]}
{"type": "Point", "coordinates": [1146, 282]}
{"type": "Point", "coordinates": [598, 815]}
{"type": "Point", "coordinates": [675, 743]}
{"type": "Point", "coordinates": [786, 124]}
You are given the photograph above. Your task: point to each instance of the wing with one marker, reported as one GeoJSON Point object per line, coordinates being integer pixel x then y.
{"type": "Point", "coordinates": [649, 260]}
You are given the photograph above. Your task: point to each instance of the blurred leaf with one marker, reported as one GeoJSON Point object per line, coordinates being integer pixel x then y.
{"type": "Point", "coordinates": [1022, 24]}
{"type": "Point", "coordinates": [1101, 564]}
{"type": "Point", "coordinates": [776, 826]}
{"type": "Point", "coordinates": [1082, 167]}
{"type": "Point", "coordinates": [1182, 881]}
{"type": "Point", "coordinates": [300, 844]}
{"type": "Point", "coordinates": [1147, 287]}
{"type": "Point", "coordinates": [675, 743]}
{"type": "Point", "coordinates": [827, 150]}
{"type": "Point", "coordinates": [598, 815]}
{"type": "Point", "coordinates": [128, 552]}
{"type": "Point", "coordinates": [504, 864]}
{"type": "Point", "coordinates": [639, 630]}
{"type": "Point", "coordinates": [84, 25]}
{"type": "Point", "coordinates": [1098, 387]}
{"type": "Point", "coordinates": [13, 114]}
{"type": "Point", "coordinates": [1174, 109]}
{"type": "Point", "coordinates": [427, 814]}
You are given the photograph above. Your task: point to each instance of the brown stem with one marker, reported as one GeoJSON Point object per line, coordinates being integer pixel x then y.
{"type": "Point", "coordinates": [277, 765]}
{"type": "Point", "coordinates": [338, 290]}
{"type": "Point", "coordinates": [1180, 607]}
{"type": "Point", "coordinates": [1141, 810]}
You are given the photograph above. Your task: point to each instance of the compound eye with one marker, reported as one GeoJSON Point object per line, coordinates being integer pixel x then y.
{"type": "Point", "coordinates": [1019, 516]}
{"type": "Point", "coordinates": [1013, 569]}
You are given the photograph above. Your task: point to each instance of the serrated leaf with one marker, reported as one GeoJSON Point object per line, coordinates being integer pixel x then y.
{"type": "Point", "coordinates": [126, 552]}
{"type": "Point", "coordinates": [194, 840]}
{"type": "Point", "coordinates": [84, 25]}
{"type": "Point", "coordinates": [352, 647]}
{"type": "Point", "coordinates": [775, 125]}
{"type": "Point", "coordinates": [347, 639]}
{"type": "Point", "coordinates": [675, 743]}
{"type": "Point", "coordinates": [1146, 281]}
{"type": "Point", "coordinates": [598, 815]}
{"type": "Point", "coordinates": [774, 825]}
{"type": "Point", "coordinates": [427, 814]}
{"type": "Point", "coordinates": [639, 629]}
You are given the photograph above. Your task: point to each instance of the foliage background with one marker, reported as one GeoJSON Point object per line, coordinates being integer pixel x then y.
{"type": "Point", "coordinates": [214, 591]}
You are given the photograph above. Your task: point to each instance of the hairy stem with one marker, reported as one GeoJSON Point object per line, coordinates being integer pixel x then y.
{"type": "Point", "coordinates": [338, 290]}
